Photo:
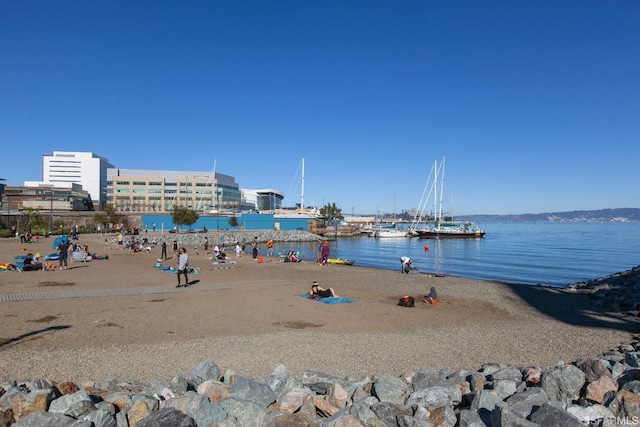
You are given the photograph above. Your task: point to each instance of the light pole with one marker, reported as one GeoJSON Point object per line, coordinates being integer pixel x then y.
{"type": "Point", "coordinates": [218, 201]}
{"type": "Point", "coordinates": [51, 212]}
{"type": "Point", "coordinates": [195, 193]}
{"type": "Point", "coordinates": [8, 210]}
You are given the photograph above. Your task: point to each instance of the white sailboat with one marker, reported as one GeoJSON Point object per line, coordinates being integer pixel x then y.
{"type": "Point", "coordinates": [389, 231]}
{"type": "Point", "coordinates": [445, 228]}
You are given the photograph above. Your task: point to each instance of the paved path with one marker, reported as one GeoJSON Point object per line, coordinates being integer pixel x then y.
{"type": "Point", "coordinates": [138, 290]}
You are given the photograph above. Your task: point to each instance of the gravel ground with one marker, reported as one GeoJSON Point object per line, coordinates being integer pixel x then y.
{"type": "Point", "coordinates": [250, 317]}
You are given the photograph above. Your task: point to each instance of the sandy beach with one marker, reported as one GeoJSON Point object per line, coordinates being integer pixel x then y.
{"type": "Point", "coordinates": [124, 318]}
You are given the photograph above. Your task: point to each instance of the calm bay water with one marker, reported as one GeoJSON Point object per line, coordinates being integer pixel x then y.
{"type": "Point", "coordinates": [545, 253]}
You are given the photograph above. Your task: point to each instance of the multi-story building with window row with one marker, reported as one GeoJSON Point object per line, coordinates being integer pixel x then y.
{"type": "Point", "coordinates": [87, 169]}
{"type": "Point", "coordinates": [37, 195]}
{"type": "Point", "coordinates": [141, 190]}
{"type": "Point", "coordinates": [96, 183]}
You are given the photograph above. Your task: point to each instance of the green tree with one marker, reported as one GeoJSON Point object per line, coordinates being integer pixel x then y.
{"type": "Point", "coordinates": [332, 213]}
{"type": "Point", "coordinates": [184, 216]}
{"type": "Point", "coordinates": [34, 219]}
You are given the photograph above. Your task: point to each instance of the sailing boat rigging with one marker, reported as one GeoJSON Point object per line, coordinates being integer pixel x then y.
{"type": "Point", "coordinates": [444, 228]}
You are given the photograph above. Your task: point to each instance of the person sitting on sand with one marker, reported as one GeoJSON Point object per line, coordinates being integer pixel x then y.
{"type": "Point", "coordinates": [432, 298]}
{"type": "Point", "coordinates": [37, 260]}
{"type": "Point", "coordinates": [292, 256]}
{"type": "Point", "coordinates": [29, 264]}
{"type": "Point", "coordinates": [322, 292]}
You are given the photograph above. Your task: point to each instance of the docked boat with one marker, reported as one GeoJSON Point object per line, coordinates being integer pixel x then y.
{"type": "Point", "coordinates": [444, 227]}
{"type": "Point", "coordinates": [450, 229]}
{"type": "Point", "coordinates": [367, 229]}
{"type": "Point", "coordinates": [388, 232]}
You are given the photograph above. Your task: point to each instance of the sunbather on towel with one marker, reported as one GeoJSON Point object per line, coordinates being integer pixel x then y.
{"type": "Point", "coordinates": [322, 292]}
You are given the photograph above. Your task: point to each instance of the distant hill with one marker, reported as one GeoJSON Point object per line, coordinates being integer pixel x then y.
{"type": "Point", "coordinates": [601, 215]}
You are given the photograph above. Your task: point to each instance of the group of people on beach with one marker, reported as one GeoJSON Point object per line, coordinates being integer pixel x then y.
{"type": "Point", "coordinates": [33, 263]}
{"type": "Point", "coordinates": [36, 262]}
{"type": "Point", "coordinates": [317, 291]}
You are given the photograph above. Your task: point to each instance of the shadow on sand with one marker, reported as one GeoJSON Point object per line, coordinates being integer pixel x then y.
{"type": "Point", "coordinates": [574, 308]}
{"type": "Point", "coordinates": [32, 334]}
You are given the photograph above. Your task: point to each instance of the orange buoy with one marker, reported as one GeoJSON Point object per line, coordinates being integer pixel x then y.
{"type": "Point", "coordinates": [426, 248]}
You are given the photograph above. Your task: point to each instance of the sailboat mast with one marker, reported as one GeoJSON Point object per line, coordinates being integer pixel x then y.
{"type": "Point", "coordinates": [435, 193]}
{"type": "Point", "coordinates": [215, 189]}
{"type": "Point", "coordinates": [441, 187]}
{"type": "Point", "coordinates": [302, 193]}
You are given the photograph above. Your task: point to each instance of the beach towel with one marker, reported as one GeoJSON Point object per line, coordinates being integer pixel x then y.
{"type": "Point", "coordinates": [173, 270]}
{"type": "Point", "coordinates": [224, 262]}
{"type": "Point", "coordinates": [329, 300]}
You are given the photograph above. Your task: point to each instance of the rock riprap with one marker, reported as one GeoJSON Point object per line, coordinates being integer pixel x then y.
{"type": "Point", "coordinates": [603, 390]}
{"type": "Point", "coordinates": [619, 292]}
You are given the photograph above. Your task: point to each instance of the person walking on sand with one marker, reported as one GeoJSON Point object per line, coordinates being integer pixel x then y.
{"type": "Point", "coordinates": [238, 250]}
{"type": "Point", "coordinates": [270, 247]}
{"type": "Point", "coordinates": [183, 264]}
{"type": "Point", "coordinates": [163, 256]}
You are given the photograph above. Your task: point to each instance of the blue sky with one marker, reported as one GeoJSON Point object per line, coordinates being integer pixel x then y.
{"type": "Point", "coordinates": [536, 105]}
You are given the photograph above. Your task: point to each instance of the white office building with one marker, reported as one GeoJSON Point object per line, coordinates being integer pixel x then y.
{"type": "Point", "coordinates": [84, 168]}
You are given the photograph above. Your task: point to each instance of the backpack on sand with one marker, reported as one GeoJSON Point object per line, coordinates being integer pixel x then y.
{"type": "Point", "coordinates": [407, 301]}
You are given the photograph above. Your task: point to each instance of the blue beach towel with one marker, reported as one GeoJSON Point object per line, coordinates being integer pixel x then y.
{"type": "Point", "coordinates": [173, 270]}
{"type": "Point", "coordinates": [330, 300]}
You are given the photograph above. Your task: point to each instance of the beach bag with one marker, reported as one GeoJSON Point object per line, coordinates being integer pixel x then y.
{"type": "Point", "coordinates": [407, 301]}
